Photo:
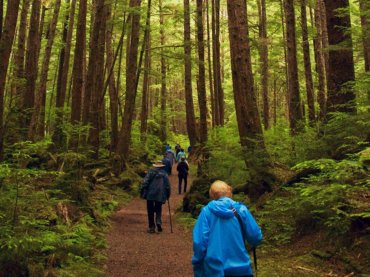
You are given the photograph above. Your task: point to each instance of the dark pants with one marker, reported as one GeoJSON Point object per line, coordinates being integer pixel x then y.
{"type": "Point", "coordinates": [240, 276]}
{"type": "Point", "coordinates": [154, 207]}
{"type": "Point", "coordinates": [181, 177]}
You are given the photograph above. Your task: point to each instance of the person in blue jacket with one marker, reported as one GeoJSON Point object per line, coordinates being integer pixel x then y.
{"type": "Point", "coordinates": [218, 244]}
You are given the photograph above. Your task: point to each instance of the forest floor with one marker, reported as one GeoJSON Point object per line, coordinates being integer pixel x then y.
{"type": "Point", "coordinates": [133, 252]}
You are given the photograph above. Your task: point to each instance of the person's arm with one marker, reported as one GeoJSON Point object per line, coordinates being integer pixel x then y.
{"type": "Point", "coordinates": [254, 233]}
{"type": "Point", "coordinates": [144, 186]}
{"type": "Point", "coordinates": [200, 238]}
{"type": "Point", "coordinates": [167, 187]}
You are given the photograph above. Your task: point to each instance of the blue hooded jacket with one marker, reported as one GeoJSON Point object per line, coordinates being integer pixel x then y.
{"type": "Point", "coordinates": [218, 242]}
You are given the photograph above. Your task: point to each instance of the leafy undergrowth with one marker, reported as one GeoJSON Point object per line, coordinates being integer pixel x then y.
{"type": "Point", "coordinates": [53, 222]}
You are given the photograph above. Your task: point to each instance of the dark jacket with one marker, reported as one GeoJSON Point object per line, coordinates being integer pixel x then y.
{"type": "Point", "coordinates": [156, 186]}
{"type": "Point", "coordinates": [168, 165]}
{"type": "Point", "coordinates": [182, 168]}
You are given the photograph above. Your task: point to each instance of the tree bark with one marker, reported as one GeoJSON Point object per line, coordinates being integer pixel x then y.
{"type": "Point", "coordinates": [62, 81]}
{"type": "Point", "coordinates": [283, 24]}
{"type": "Point", "coordinates": [320, 64]}
{"type": "Point", "coordinates": [31, 66]}
{"type": "Point", "coordinates": [164, 96]}
{"type": "Point", "coordinates": [264, 63]}
{"type": "Point", "coordinates": [218, 90]}
{"type": "Point", "coordinates": [210, 73]}
{"type": "Point", "coordinates": [131, 75]}
{"type": "Point", "coordinates": [78, 70]}
{"type": "Point", "coordinates": [190, 116]}
{"type": "Point", "coordinates": [113, 93]}
{"type": "Point", "coordinates": [202, 97]}
{"type": "Point", "coordinates": [249, 125]}
{"type": "Point", "coordinates": [365, 24]}
{"type": "Point", "coordinates": [146, 81]}
{"type": "Point", "coordinates": [341, 96]}
{"type": "Point", "coordinates": [37, 125]}
{"type": "Point", "coordinates": [307, 64]}
{"type": "Point", "coordinates": [1, 16]}
{"type": "Point", "coordinates": [295, 108]}
{"type": "Point", "coordinates": [6, 43]}
{"type": "Point", "coordinates": [19, 61]}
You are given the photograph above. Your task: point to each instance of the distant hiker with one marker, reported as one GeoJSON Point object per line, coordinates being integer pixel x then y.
{"type": "Point", "coordinates": [156, 190]}
{"type": "Point", "coordinates": [180, 155]}
{"type": "Point", "coordinates": [177, 149]}
{"type": "Point", "coordinates": [189, 149]}
{"type": "Point", "coordinates": [183, 169]}
{"type": "Point", "coordinates": [168, 165]}
{"type": "Point", "coordinates": [167, 147]}
{"type": "Point", "coordinates": [170, 155]}
{"type": "Point", "coordinates": [218, 243]}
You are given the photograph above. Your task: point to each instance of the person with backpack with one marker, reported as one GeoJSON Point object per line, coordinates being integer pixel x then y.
{"type": "Point", "coordinates": [180, 155]}
{"type": "Point", "coordinates": [156, 190]}
{"type": "Point", "coordinates": [167, 165]}
{"type": "Point", "coordinates": [219, 235]}
{"type": "Point", "coordinates": [183, 169]}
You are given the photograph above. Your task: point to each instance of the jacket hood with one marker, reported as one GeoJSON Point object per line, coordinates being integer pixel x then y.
{"type": "Point", "coordinates": [223, 207]}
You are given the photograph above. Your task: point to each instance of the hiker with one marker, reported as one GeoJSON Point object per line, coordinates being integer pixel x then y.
{"type": "Point", "coordinates": [167, 164]}
{"type": "Point", "coordinates": [218, 243]}
{"type": "Point", "coordinates": [156, 190]}
{"type": "Point", "coordinates": [177, 149]}
{"type": "Point", "coordinates": [183, 169]}
{"type": "Point", "coordinates": [189, 149]}
{"type": "Point", "coordinates": [170, 155]}
{"type": "Point", "coordinates": [180, 155]}
{"type": "Point", "coordinates": [167, 147]}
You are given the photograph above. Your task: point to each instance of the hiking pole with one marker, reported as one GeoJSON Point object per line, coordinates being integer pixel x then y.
{"type": "Point", "coordinates": [255, 259]}
{"type": "Point", "coordinates": [169, 211]}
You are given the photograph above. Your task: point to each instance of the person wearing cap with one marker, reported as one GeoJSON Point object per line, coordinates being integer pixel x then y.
{"type": "Point", "coordinates": [218, 236]}
{"type": "Point", "coordinates": [183, 169]}
{"type": "Point", "coordinates": [156, 190]}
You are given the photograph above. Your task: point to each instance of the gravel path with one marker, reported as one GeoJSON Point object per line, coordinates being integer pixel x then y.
{"type": "Point", "coordinates": [134, 252]}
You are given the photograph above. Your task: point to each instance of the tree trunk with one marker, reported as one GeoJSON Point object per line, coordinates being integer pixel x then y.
{"type": "Point", "coordinates": [249, 125]}
{"type": "Point", "coordinates": [365, 24]}
{"type": "Point", "coordinates": [1, 16]}
{"type": "Point", "coordinates": [218, 90]}
{"type": "Point", "coordinates": [92, 92]}
{"type": "Point", "coordinates": [31, 66]}
{"type": "Point", "coordinates": [113, 93]}
{"type": "Point", "coordinates": [202, 96]}
{"type": "Point", "coordinates": [164, 96]}
{"type": "Point", "coordinates": [6, 43]}
{"type": "Point", "coordinates": [264, 63]}
{"type": "Point", "coordinates": [341, 96]}
{"type": "Point", "coordinates": [320, 64]}
{"type": "Point", "coordinates": [37, 125]}
{"type": "Point", "coordinates": [146, 81]}
{"type": "Point", "coordinates": [307, 64]}
{"type": "Point", "coordinates": [64, 60]}
{"type": "Point", "coordinates": [283, 24]}
{"type": "Point", "coordinates": [211, 88]}
{"type": "Point", "coordinates": [19, 61]}
{"type": "Point", "coordinates": [78, 69]}
{"type": "Point", "coordinates": [190, 116]}
{"type": "Point", "coordinates": [131, 75]}
{"type": "Point", "coordinates": [295, 108]}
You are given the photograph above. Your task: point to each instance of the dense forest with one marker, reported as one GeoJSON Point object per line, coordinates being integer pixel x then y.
{"type": "Point", "coordinates": [272, 95]}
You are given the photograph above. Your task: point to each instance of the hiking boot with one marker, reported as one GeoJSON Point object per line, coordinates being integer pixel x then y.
{"type": "Point", "coordinates": [159, 228]}
{"type": "Point", "coordinates": [151, 230]}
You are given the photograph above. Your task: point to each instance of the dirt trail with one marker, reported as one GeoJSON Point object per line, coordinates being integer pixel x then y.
{"type": "Point", "coordinates": [134, 252]}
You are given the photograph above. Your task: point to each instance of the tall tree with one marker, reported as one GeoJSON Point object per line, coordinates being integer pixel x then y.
{"type": "Point", "coordinates": [210, 73]}
{"type": "Point", "coordinates": [1, 16]}
{"type": "Point", "coordinates": [163, 76]}
{"type": "Point", "coordinates": [320, 63]}
{"type": "Point", "coordinates": [218, 90]}
{"type": "Point", "coordinates": [365, 24]}
{"type": "Point", "coordinates": [64, 60]}
{"type": "Point", "coordinates": [264, 62]}
{"type": "Point", "coordinates": [341, 96]}
{"type": "Point", "coordinates": [202, 97]}
{"type": "Point", "coordinates": [37, 125]}
{"type": "Point", "coordinates": [131, 75]}
{"type": "Point", "coordinates": [31, 66]}
{"type": "Point", "coordinates": [249, 125]}
{"type": "Point", "coordinates": [78, 68]}
{"type": "Point", "coordinates": [92, 93]}
{"type": "Point", "coordinates": [146, 79]}
{"type": "Point", "coordinates": [295, 108]}
{"type": "Point", "coordinates": [189, 105]}
{"type": "Point", "coordinates": [6, 43]}
{"type": "Point", "coordinates": [307, 63]}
